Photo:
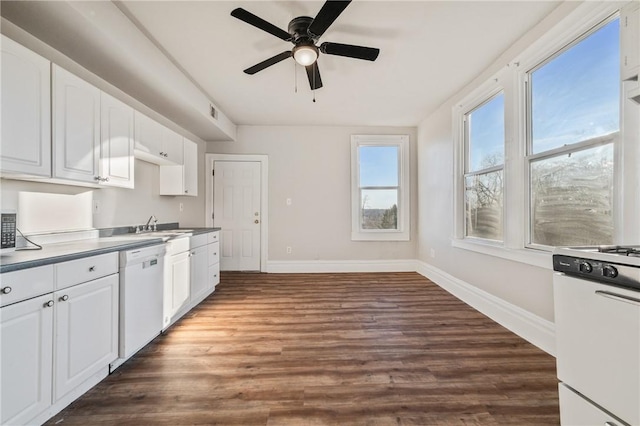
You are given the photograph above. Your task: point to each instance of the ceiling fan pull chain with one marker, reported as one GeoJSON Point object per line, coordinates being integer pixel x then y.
{"type": "Point", "coordinates": [315, 65]}
{"type": "Point", "coordinates": [295, 76]}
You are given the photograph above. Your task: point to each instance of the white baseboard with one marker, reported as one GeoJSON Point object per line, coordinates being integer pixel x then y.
{"type": "Point", "coordinates": [328, 266]}
{"type": "Point", "coordinates": [538, 331]}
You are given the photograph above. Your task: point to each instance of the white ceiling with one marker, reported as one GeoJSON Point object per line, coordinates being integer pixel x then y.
{"type": "Point", "coordinates": [429, 50]}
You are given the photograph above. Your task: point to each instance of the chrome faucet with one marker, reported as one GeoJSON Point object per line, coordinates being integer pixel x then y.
{"type": "Point", "coordinates": [155, 221]}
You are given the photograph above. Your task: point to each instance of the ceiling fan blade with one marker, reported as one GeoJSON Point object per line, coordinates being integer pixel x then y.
{"type": "Point", "coordinates": [350, 51]}
{"type": "Point", "coordinates": [313, 73]}
{"type": "Point", "coordinates": [258, 22]}
{"type": "Point", "coordinates": [329, 13]}
{"type": "Point", "coordinates": [267, 63]}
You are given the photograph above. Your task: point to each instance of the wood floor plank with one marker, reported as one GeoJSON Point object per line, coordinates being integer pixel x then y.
{"type": "Point", "coordinates": [328, 349]}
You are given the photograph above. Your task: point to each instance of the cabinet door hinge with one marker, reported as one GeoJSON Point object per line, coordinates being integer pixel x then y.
{"type": "Point", "coordinates": [213, 172]}
{"type": "Point", "coordinates": [212, 216]}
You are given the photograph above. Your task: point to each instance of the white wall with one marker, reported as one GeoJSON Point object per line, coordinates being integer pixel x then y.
{"type": "Point", "coordinates": [521, 284]}
{"type": "Point", "coordinates": [312, 166]}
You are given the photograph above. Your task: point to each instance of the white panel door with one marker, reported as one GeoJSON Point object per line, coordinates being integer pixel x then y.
{"type": "Point", "coordinates": [86, 331]}
{"type": "Point", "coordinates": [76, 127]}
{"type": "Point", "coordinates": [26, 110]}
{"type": "Point", "coordinates": [117, 158]}
{"type": "Point", "coordinates": [26, 331]}
{"type": "Point", "coordinates": [236, 209]}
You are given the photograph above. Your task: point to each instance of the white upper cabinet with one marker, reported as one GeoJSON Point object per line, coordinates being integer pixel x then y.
{"type": "Point", "coordinates": [116, 156]}
{"type": "Point", "coordinates": [181, 180]}
{"type": "Point", "coordinates": [76, 128]}
{"type": "Point", "coordinates": [156, 143]}
{"type": "Point", "coordinates": [26, 111]}
{"type": "Point", "coordinates": [172, 146]}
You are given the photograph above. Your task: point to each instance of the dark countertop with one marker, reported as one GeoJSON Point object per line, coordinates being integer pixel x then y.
{"type": "Point", "coordinates": [62, 252]}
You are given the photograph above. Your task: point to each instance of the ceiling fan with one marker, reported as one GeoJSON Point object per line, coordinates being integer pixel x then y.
{"type": "Point", "coordinates": [304, 33]}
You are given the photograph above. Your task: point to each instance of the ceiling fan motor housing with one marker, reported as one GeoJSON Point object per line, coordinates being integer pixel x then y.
{"type": "Point", "coordinates": [298, 28]}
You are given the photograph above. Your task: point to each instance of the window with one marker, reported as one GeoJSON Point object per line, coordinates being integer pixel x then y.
{"type": "Point", "coordinates": [546, 148]}
{"type": "Point", "coordinates": [573, 117]}
{"type": "Point", "coordinates": [483, 177]}
{"type": "Point", "coordinates": [380, 187]}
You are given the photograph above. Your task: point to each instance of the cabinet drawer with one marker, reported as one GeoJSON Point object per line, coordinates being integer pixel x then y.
{"type": "Point", "coordinates": [577, 411]}
{"type": "Point", "coordinates": [25, 284]}
{"type": "Point", "coordinates": [214, 253]}
{"type": "Point", "coordinates": [214, 275]}
{"type": "Point", "coordinates": [198, 241]}
{"type": "Point", "coordinates": [214, 237]}
{"type": "Point", "coordinates": [86, 269]}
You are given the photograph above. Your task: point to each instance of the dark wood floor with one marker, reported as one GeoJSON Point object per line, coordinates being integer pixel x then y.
{"type": "Point", "coordinates": [316, 349]}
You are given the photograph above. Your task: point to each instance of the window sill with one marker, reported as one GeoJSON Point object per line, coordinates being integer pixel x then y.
{"type": "Point", "coordinates": [539, 258]}
{"type": "Point", "coordinates": [380, 236]}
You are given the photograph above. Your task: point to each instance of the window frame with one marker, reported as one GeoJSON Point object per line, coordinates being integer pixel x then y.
{"type": "Point", "coordinates": [402, 233]}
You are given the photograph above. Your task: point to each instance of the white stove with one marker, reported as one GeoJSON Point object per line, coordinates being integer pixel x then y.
{"type": "Point", "coordinates": [597, 316]}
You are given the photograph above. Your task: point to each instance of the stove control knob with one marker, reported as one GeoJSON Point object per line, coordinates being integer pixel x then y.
{"type": "Point", "coordinates": [586, 267]}
{"type": "Point", "coordinates": [609, 271]}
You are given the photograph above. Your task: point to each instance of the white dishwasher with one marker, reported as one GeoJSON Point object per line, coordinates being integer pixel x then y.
{"type": "Point", "coordinates": [141, 299]}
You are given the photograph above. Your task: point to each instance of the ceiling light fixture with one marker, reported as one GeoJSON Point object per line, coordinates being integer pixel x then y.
{"type": "Point", "coordinates": [305, 54]}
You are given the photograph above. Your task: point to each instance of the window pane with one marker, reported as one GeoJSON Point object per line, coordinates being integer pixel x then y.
{"type": "Point", "coordinates": [379, 208]}
{"type": "Point", "coordinates": [378, 165]}
{"type": "Point", "coordinates": [483, 205]}
{"type": "Point", "coordinates": [575, 96]}
{"type": "Point", "coordinates": [485, 127]}
{"type": "Point", "coordinates": [572, 198]}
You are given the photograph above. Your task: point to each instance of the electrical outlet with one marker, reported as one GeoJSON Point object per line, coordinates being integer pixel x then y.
{"type": "Point", "coordinates": [96, 206]}
{"type": "Point", "coordinates": [181, 207]}
{"type": "Point", "coordinates": [288, 201]}
{"type": "Point", "coordinates": [288, 250]}
{"type": "Point", "coordinates": [432, 252]}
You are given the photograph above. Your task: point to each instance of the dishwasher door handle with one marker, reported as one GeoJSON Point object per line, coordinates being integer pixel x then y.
{"type": "Point", "coordinates": [618, 297]}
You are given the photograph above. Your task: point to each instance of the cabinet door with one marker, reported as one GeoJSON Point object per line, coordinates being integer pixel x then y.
{"type": "Point", "coordinates": [179, 277]}
{"type": "Point", "coordinates": [148, 136]}
{"type": "Point", "coordinates": [86, 331]}
{"type": "Point", "coordinates": [76, 127]}
{"type": "Point", "coordinates": [26, 111]}
{"type": "Point", "coordinates": [199, 272]}
{"type": "Point", "coordinates": [26, 333]}
{"type": "Point", "coordinates": [190, 168]}
{"type": "Point", "coordinates": [116, 148]}
{"type": "Point", "coordinates": [172, 146]}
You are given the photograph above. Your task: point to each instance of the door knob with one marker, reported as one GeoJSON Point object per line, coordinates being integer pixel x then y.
{"type": "Point", "coordinates": [256, 221]}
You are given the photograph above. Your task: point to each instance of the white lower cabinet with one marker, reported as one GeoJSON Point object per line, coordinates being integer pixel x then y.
{"type": "Point", "coordinates": [57, 345]}
{"type": "Point", "coordinates": [86, 329]}
{"type": "Point", "coordinates": [213, 274]}
{"type": "Point", "coordinates": [191, 274]}
{"type": "Point", "coordinates": [199, 269]}
{"type": "Point", "coordinates": [177, 285]}
{"type": "Point", "coordinates": [26, 333]}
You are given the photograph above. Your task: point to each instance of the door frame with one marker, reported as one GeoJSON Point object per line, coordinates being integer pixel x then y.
{"type": "Point", "coordinates": [210, 160]}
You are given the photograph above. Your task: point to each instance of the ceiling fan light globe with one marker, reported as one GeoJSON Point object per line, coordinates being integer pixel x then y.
{"type": "Point", "coordinates": [305, 55]}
